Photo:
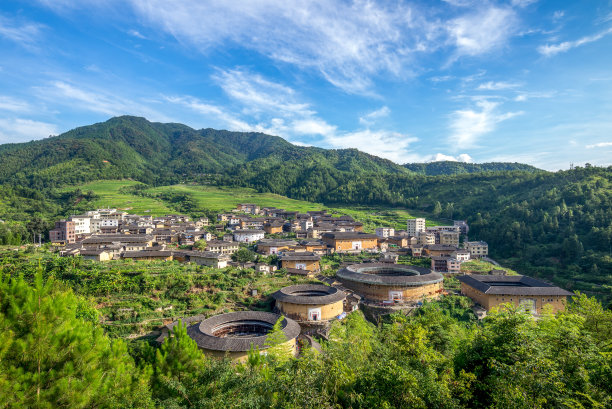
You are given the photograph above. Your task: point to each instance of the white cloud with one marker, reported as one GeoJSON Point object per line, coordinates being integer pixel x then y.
{"type": "Point", "coordinates": [11, 104]}
{"type": "Point", "coordinates": [599, 145]}
{"type": "Point", "coordinates": [13, 130]}
{"type": "Point", "coordinates": [553, 49]}
{"type": "Point", "coordinates": [96, 100]}
{"type": "Point", "coordinates": [558, 15]}
{"type": "Point", "coordinates": [371, 117]}
{"type": "Point", "coordinates": [264, 106]}
{"type": "Point", "coordinates": [389, 145]}
{"type": "Point", "coordinates": [496, 86]}
{"type": "Point", "coordinates": [524, 96]}
{"type": "Point", "coordinates": [467, 125]}
{"type": "Point", "coordinates": [258, 94]}
{"type": "Point", "coordinates": [25, 34]}
{"type": "Point", "coordinates": [464, 157]}
{"type": "Point", "coordinates": [135, 33]}
{"type": "Point", "coordinates": [483, 31]}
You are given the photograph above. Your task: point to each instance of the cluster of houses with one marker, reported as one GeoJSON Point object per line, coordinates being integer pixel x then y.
{"type": "Point", "coordinates": [298, 239]}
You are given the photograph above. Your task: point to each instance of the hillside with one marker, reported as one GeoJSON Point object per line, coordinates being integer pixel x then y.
{"type": "Point", "coordinates": [453, 168]}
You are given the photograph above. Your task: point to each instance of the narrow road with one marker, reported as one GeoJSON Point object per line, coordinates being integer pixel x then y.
{"type": "Point", "coordinates": [490, 260]}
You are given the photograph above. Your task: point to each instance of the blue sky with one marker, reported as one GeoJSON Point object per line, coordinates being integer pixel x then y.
{"type": "Point", "coordinates": [521, 80]}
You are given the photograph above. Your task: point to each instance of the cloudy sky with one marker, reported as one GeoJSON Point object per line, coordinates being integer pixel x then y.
{"type": "Point", "coordinates": [519, 80]}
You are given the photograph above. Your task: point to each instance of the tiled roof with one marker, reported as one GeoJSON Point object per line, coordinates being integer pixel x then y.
{"type": "Point", "coordinates": [203, 333]}
{"type": "Point", "coordinates": [394, 274]}
{"type": "Point", "coordinates": [298, 294]}
{"type": "Point", "coordinates": [349, 235]}
{"type": "Point", "coordinates": [511, 285]}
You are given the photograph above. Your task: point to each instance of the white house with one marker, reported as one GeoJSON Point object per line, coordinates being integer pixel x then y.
{"type": "Point", "coordinates": [384, 232]}
{"type": "Point", "coordinates": [82, 224]}
{"type": "Point", "coordinates": [248, 236]}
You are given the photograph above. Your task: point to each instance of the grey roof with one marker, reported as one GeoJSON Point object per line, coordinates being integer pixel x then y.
{"type": "Point", "coordinates": [349, 235]}
{"type": "Point", "coordinates": [440, 247]}
{"type": "Point", "coordinates": [202, 333]}
{"type": "Point", "coordinates": [300, 256]}
{"type": "Point", "coordinates": [203, 254]}
{"type": "Point", "coordinates": [97, 252]}
{"type": "Point", "coordinates": [511, 285]}
{"type": "Point", "coordinates": [249, 231]}
{"type": "Point", "coordinates": [276, 243]}
{"type": "Point", "coordinates": [147, 253]}
{"type": "Point", "coordinates": [403, 275]}
{"type": "Point", "coordinates": [299, 294]}
{"type": "Point", "coordinates": [122, 238]}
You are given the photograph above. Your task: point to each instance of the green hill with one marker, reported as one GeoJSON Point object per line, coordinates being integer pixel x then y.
{"type": "Point", "coordinates": [452, 168]}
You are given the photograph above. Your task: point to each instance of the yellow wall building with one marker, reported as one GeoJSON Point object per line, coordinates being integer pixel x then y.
{"type": "Point", "coordinates": [532, 294]}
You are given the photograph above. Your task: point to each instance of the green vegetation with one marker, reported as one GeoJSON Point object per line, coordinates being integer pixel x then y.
{"type": "Point", "coordinates": [136, 297]}
{"type": "Point", "coordinates": [440, 357]}
{"type": "Point", "coordinates": [453, 168]}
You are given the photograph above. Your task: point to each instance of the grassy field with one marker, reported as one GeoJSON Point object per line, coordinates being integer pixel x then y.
{"type": "Point", "coordinates": [110, 196]}
{"type": "Point", "coordinates": [220, 199]}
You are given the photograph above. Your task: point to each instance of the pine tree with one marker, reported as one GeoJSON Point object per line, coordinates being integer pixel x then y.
{"type": "Point", "coordinates": [52, 359]}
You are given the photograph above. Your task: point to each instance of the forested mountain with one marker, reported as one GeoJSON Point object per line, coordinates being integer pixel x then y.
{"type": "Point", "coordinates": [555, 225]}
{"type": "Point", "coordinates": [156, 153]}
{"type": "Point", "coordinates": [452, 168]}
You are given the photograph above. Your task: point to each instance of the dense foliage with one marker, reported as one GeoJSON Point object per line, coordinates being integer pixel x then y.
{"type": "Point", "coordinates": [451, 168]}
{"type": "Point", "coordinates": [440, 357]}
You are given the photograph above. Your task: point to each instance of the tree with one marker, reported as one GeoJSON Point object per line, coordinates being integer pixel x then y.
{"type": "Point", "coordinates": [201, 245]}
{"type": "Point", "coordinates": [244, 255]}
{"type": "Point", "coordinates": [55, 359]}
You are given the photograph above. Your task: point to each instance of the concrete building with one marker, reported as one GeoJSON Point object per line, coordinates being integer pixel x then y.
{"type": "Point", "coordinates": [477, 249]}
{"type": "Point", "coordinates": [384, 232]}
{"type": "Point", "coordinates": [248, 235]}
{"type": "Point", "coordinates": [463, 226]}
{"type": "Point", "coordinates": [415, 226]}
{"type": "Point", "coordinates": [63, 233]}
{"type": "Point", "coordinates": [450, 238]}
{"type": "Point", "coordinates": [82, 224]}
{"type": "Point", "coordinates": [490, 291]}
{"type": "Point", "coordinates": [222, 247]}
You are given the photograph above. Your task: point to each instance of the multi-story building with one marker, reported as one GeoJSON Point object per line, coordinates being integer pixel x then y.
{"type": "Point", "coordinates": [415, 226]}
{"type": "Point", "coordinates": [248, 235]}
{"type": "Point", "coordinates": [477, 248]}
{"type": "Point", "coordinates": [384, 232]}
{"type": "Point", "coordinates": [450, 238]}
{"type": "Point", "coordinates": [63, 233]}
{"type": "Point", "coordinates": [82, 224]}
{"type": "Point", "coordinates": [426, 239]}
{"type": "Point", "coordinates": [463, 226]}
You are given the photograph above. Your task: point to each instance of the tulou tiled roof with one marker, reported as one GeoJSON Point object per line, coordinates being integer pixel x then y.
{"type": "Point", "coordinates": [386, 274]}
{"type": "Point", "coordinates": [203, 333]}
{"type": "Point", "coordinates": [312, 294]}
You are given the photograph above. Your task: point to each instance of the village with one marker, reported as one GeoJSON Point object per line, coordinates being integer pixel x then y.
{"type": "Point", "coordinates": [378, 283]}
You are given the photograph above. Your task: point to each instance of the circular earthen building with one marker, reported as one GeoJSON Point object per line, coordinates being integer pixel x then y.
{"type": "Point", "coordinates": [234, 333]}
{"type": "Point", "coordinates": [391, 282]}
{"type": "Point", "coordinates": [310, 302]}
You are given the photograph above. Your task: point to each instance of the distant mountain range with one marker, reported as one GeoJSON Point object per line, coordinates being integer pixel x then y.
{"type": "Point", "coordinates": [158, 153]}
